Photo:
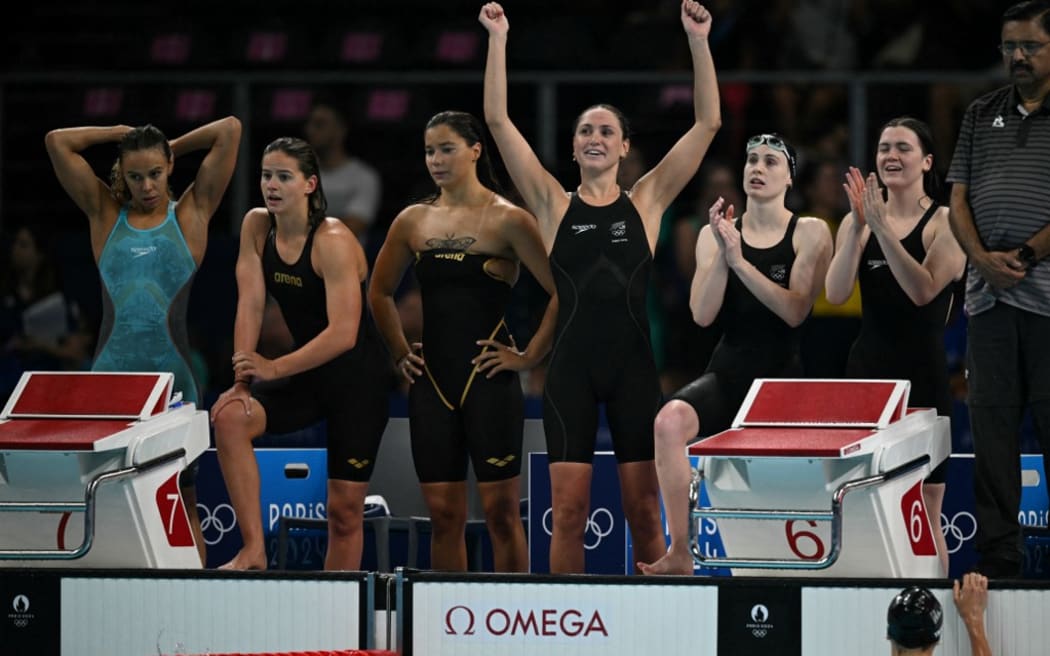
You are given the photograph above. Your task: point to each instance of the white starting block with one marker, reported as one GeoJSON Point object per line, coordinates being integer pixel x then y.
{"type": "Point", "coordinates": [822, 478]}
{"type": "Point", "coordinates": [89, 467]}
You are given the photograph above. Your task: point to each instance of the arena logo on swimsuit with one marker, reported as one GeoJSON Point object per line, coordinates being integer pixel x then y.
{"type": "Point", "coordinates": [287, 279]}
{"type": "Point", "coordinates": [462, 620]}
{"type": "Point", "coordinates": [449, 256]}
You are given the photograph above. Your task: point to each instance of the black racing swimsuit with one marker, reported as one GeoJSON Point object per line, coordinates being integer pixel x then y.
{"type": "Point", "coordinates": [601, 262]}
{"type": "Point", "coordinates": [350, 391]}
{"type": "Point", "coordinates": [455, 410]}
{"type": "Point", "coordinates": [755, 343]}
{"type": "Point", "coordinates": [899, 339]}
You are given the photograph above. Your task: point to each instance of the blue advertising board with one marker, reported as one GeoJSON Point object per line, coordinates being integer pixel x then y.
{"type": "Point", "coordinates": [294, 483]}
{"type": "Point", "coordinates": [605, 540]}
{"type": "Point", "coordinates": [960, 525]}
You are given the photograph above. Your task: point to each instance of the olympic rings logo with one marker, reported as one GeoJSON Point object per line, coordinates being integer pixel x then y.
{"type": "Point", "coordinates": [958, 530]}
{"type": "Point", "coordinates": [596, 526]}
{"type": "Point", "coordinates": [759, 621]}
{"type": "Point", "coordinates": [215, 524]}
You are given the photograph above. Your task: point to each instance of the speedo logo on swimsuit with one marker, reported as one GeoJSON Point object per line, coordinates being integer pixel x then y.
{"type": "Point", "coordinates": [449, 256]}
{"type": "Point", "coordinates": [875, 264]}
{"type": "Point", "coordinates": [287, 279]}
{"type": "Point", "coordinates": [581, 228]}
{"type": "Point", "coordinates": [139, 251]}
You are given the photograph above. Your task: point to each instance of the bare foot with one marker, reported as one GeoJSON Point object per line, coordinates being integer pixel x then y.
{"type": "Point", "coordinates": [671, 563]}
{"type": "Point", "coordinates": [245, 560]}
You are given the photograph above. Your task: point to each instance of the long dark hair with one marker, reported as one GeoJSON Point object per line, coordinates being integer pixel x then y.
{"type": "Point", "coordinates": [140, 138]}
{"type": "Point", "coordinates": [931, 183]}
{"type": "Point", "coordinates": [304, 155]}
{"type": "Point", "coordinates": [469, 127]}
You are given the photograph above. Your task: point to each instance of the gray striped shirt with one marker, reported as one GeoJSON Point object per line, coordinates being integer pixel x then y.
{"type": "Point", "coordinates": [1003, 157]}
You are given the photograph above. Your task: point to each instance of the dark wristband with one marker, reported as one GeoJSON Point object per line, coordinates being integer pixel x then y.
{"type": "Point", "coordinates": [1027, 255]}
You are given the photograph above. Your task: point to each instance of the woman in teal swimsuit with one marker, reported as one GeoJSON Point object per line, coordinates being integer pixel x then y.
{"type": "Point", "coordinates": [147, 244]}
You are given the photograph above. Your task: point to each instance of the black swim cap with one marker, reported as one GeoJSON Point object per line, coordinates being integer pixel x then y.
{"type": "Point", "coordinates": [914, 618]}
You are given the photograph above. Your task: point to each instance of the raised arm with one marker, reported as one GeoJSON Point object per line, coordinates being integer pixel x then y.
{"type": "Point", "coordinates": [842, 272]}
{"type": "Point", "coordinates": [850, 240]}
{"type": "Point", "coordinates": [394, 257]}
{"type": "Point", "coordinates": [540, 190]}
{"type": "Point", "coordinates": [655, 191]}
{"type": "Point", "coordinates": [971, 600]}
{"type": "Point", "coordinates": [944, 261]}
{"type": "Point", "coordinates": [812, 243]}
{"type": "Point", "coordinates": [64, 147]}
{"type": "Point", "coordinates": [222, 139]}
{"type": "Point", "coordinates": [708, 288]}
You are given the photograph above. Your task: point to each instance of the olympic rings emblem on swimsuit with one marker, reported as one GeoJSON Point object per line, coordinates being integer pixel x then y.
{"type": "Point", "coordinates": [595, 530]}
{"type": "Point", "coordinates": [958, 530]}
{"type": "Point", "coordinates": [215, 524]}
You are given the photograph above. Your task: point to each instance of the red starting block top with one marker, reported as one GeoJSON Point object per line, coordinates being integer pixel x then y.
{"type": "Point", "coordinates": [804, 442]}
{"type": "Point", "coordinates": [57, 434]}
{"type": "Point", "coordinates": [830, 403]}
{"type": "Point", "coordinates": [52, 394]}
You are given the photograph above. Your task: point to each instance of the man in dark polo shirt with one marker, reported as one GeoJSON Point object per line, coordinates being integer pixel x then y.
{"type": "Point", "coordinates": [1000, 213]}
